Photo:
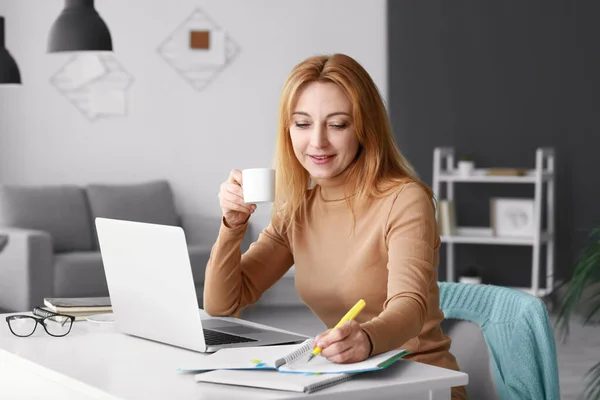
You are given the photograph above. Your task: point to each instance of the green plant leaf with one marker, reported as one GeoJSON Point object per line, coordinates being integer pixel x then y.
{"type": "Point", "coordinates": [592, 386]}
{"type": "Point", "coordinates": [593, 309]}
{"type": "Point", "coordinates": [585, 274]}
{"type": "Point", "coordinates": [580, 281]}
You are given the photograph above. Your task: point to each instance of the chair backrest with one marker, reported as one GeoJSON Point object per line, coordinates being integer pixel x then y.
{"type": "Point", "coordinates": [516, 328]}
{"type": "Point", "coordinates": [473, 357]}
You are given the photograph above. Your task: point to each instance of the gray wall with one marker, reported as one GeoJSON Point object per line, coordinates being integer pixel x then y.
{"type": "Point", "coordinates": [497, 79]}
{"type": "Point", "coordinates": [172, 132]}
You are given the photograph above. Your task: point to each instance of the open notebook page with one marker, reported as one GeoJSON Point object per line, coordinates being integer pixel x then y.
{"type": "Point", "coordinates": [287, 358]}
{"type": "Point", "coordinates": [263, 357]}
{"type": "Point", "coordinates": [322, 365]}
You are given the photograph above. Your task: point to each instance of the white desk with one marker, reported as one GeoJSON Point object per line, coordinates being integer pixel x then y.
{"type": "Point", "coordinates": [96, 362]}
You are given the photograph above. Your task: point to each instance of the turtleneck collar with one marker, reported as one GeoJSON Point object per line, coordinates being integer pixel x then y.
{"type": "Point", "coordinates": [333, 189]}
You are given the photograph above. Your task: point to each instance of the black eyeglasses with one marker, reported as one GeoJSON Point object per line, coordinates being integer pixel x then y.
{"type": "Point", "coordinates": [56, 325]}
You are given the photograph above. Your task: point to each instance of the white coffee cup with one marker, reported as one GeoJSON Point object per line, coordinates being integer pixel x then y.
{"type": "Point", "coordinates": [258, 185]}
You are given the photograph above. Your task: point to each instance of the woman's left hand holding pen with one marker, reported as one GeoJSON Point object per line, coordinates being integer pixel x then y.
{"type": "Point", "coordinates": [346, 344]}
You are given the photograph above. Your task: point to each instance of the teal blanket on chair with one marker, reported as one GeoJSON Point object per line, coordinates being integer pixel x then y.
{"type": "Point", "coordinates": [518, 333]}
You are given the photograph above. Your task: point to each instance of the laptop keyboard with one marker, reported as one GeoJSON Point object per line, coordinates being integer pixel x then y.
{"type": "Point", "coordinates": [215, 338]}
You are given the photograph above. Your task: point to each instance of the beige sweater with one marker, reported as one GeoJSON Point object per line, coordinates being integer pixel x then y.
{"type": "Point", "coordinates": [389, 260]}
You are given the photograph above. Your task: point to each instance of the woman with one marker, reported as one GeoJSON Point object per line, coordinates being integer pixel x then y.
{"type": "Point", "coordinates": [349, 213]}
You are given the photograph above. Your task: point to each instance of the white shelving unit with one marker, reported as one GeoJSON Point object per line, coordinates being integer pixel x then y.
{"type": "Point", "coordinates": [543, 174]}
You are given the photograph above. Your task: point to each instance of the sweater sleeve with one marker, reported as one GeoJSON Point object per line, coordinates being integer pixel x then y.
{"type": "Point", "coordinates": [410, 238]}
{"type": "Point", "coordinates": [234, 281]}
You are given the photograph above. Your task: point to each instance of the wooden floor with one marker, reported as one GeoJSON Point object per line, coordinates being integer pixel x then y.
{"type": "Point", "coordinates": [575, 357]}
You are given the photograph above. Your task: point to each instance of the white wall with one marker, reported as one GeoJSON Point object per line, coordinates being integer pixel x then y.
{"type": "Point", "coordinates": [190, 138]}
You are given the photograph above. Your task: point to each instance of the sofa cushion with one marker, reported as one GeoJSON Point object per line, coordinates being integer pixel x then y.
{"type": "Point", "coordinates": [79, 274]}
{"type": "Point", "coordinates": [150, 202]}
{"type": "Point", "coordinates": [62, 211]}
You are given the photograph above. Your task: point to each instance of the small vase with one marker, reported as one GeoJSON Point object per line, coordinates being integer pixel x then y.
{"type": "Point", "coordinates": [473, 280]}
{"type": "Point", "coordinates": [465, 168]}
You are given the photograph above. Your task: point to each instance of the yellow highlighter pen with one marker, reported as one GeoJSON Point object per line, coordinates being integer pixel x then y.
{"type": "Point", "coordinates": [350, 315]}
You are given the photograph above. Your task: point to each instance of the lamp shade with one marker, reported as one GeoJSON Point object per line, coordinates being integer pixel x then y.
{"type": "Point", "coordinates": [79, 27]}
{"type": "Point", "coordinates": [9, 71]}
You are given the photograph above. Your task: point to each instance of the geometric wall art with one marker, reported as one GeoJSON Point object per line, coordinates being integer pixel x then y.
{"type": "Point", "coordinates": [95, 84]}
{"type": "Point", "coordinates": [198, 50]}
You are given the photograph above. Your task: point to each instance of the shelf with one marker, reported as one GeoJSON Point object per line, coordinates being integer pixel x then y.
{"type": "Point", "coordinates": [476, 235]}
{"type": "Point", "coordinates": [445, 171]}
{"type": "Point", "coordinates": [480, 175]}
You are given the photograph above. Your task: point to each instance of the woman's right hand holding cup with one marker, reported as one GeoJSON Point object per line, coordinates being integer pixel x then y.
{"type": "Point", "coordinates": [231, 198]}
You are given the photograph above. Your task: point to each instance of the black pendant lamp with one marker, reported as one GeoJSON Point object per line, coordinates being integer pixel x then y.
{"type": "Point", "coordinates": [9, 71]}
{"type": "Point", "coordinates": [79, 27]}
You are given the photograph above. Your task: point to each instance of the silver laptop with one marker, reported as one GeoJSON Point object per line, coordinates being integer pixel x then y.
{"type": "Point", "coordinates": [153, 296]}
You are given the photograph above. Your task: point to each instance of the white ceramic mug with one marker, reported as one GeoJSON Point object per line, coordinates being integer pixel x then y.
{"type": "Point", "coordinates": [258, 185]}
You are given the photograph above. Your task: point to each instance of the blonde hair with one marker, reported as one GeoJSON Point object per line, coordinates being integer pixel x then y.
{"type": "Point", "coordinates": [379, 166]}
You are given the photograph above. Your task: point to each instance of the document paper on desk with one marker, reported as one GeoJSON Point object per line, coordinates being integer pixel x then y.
{"type": "Point", "coordinates": [288, 359]}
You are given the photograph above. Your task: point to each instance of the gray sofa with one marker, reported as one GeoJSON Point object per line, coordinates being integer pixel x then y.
{"type": "Point", "coordinates": [53, 248]}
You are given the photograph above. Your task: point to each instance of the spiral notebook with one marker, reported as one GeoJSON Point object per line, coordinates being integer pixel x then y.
{"type": "Point", "coordinates": [307, 383]}
{"type": "Point", "coordinates": [288, 359]}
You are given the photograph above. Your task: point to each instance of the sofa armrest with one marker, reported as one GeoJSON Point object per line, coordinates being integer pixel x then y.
{"type": "Point", "coordinates": [26, 270]}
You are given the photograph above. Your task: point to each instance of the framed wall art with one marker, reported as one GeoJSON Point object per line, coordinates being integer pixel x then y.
{"type": "Point", "coordinates": [512, 217]}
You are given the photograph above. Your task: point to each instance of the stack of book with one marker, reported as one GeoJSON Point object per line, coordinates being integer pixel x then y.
{"type": "Point", "coordinates": [506, 172]}
{"type": "Point", "coordinates": [79, 307]}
